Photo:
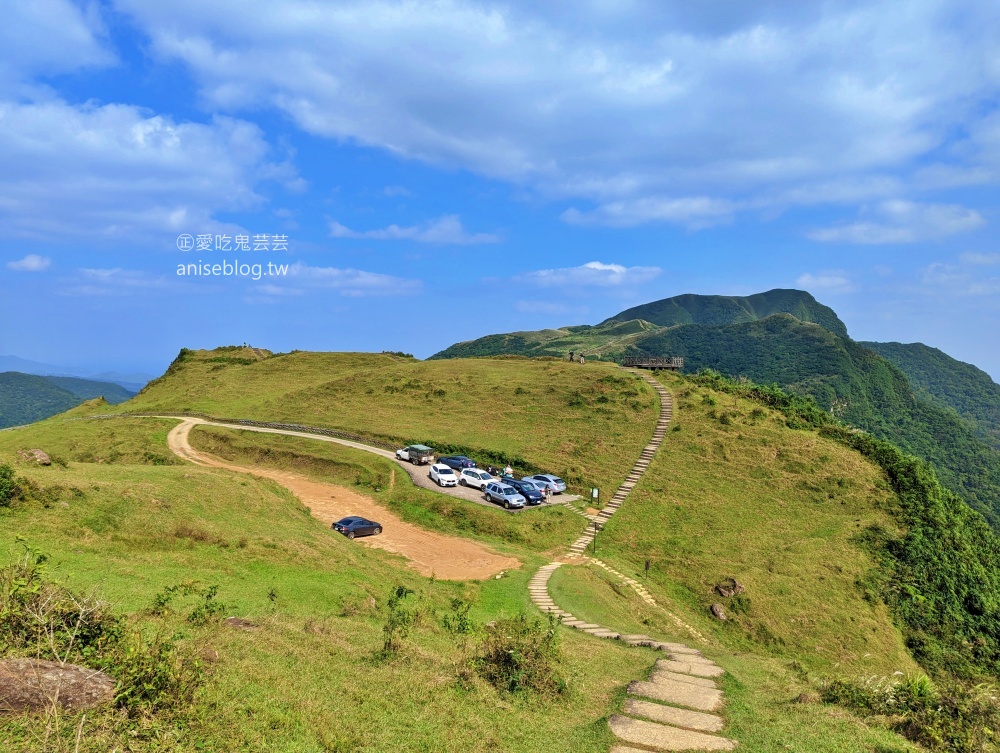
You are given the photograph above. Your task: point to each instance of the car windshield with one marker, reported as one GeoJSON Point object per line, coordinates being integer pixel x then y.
{"type": "Point", "coordinates": [483, 475]}
{"type": "Point", "coordinates": [446, 472]}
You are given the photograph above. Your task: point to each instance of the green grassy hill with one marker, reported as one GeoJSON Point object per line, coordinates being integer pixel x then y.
{"type": "Point", "coordinates": [25, 398]}
{"type": "Point", "coordinates": [948, 383]}
{"type": "Point", "coordinates": [733, 492]}
{"type": "Point", "coordinates": [943, 411]}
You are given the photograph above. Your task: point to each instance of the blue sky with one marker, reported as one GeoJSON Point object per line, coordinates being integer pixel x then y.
{"type": "Point", "coordinates": [440, 171]}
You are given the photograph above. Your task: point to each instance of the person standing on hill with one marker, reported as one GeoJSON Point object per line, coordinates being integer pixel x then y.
{"type": "Point", "coordinates": [507, 470]}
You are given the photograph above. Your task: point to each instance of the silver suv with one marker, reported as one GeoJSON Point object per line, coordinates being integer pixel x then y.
{"type": "Point", "coordinates": [504, 495]}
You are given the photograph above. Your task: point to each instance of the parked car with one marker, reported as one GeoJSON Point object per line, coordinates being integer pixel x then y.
{"type": "Point", "coordinates": [418, 454]}
{"type": "Point", "coordinates": [442, 475]}
{"type": "Point", "coordinates": [353, 525]}
{"type": "Point", "coordinates": [556, 484]}
{"type": "Point", "coordinates": [503, 494]}
{"type": "Point", "coordinates": [527, 489]}
{"type": "Point", "coordinates": [457, 462]}
{"type": "Point", "coordinates": [477, 478]}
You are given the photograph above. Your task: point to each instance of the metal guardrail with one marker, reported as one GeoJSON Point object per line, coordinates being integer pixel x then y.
{"type": "Point", "coordinates": [250, 422]}
{"type": "Point", "coordinates": [652, 362]}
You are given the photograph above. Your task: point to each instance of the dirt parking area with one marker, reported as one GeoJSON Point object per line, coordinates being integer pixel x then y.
{"type": "Point", "coordinates": [428, 552]}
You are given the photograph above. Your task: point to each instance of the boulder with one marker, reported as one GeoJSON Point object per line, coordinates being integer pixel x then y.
{"type": "Point", "coordinates": [37, 684]}
{"type": "Point", "coordinates": [730, 587]}
{"type": "Point", "coordinates": [239, 623]}
{"type": "Point", "coordinates": [718, 611]}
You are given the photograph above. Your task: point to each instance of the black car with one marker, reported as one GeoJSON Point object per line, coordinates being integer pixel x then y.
{"type": "Point", "coordinates": [526, 489]}
{"type": "Point", "coordinates": [457, 462]}
{"type": "Point", "coordinates": [353, 525]}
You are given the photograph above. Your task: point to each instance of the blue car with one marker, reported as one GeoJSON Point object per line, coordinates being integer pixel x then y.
{"type": "Point", "coordinates": [457, 462]}
{"type": "Point", "coordinates": [527, 489]}
{"type": "Point", "coordinates": [353, 525]}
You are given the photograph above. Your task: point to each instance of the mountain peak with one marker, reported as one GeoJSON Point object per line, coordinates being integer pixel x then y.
{"type": "Point", "coordinates": [691, 308]}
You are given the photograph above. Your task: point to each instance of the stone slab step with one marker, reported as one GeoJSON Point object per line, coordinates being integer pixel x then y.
{"type": "Point", "coordinates": [661, 737]}
{"type": "Point", "coordinates": [691, 668]}
{"type": "Point", "coordinates": [678, 693]}
{"type": "Point", "coordinates": [695, 720]}
{"type": "Point", "coordinates": [660, 675]}
{"type": "Point", "coordinates": [587, 626]}
{"type": "Point", "coordinates": [602, 633]}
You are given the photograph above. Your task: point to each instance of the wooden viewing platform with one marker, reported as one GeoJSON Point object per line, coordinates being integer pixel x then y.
{"type": "Point", "coordinates": [672, 363]}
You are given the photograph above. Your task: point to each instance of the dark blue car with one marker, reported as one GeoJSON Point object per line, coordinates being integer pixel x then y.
{"type": "Point", "coordinates": [353, 525]}
{"type": "Point", "coordinates": [526, 489]}
{"type": "Point", "coordinates": [457, 462]}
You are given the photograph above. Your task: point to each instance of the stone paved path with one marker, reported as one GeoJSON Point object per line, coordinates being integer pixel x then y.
{"type": "Point", "coordinates": [671, 710]}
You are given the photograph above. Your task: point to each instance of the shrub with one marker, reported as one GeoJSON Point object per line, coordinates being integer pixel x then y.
{"type": "Point", "coordinates": [398, 622]}
{"type": "Point", "coordinates": [950, 717]}
{"type": "Point", "coordinates": [518, 655]}
{"type": "Point", "coordinates": [10, 486]}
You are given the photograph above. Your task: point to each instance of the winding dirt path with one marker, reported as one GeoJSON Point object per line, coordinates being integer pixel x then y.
{"type": "Point", "coordinates": [429, 553]}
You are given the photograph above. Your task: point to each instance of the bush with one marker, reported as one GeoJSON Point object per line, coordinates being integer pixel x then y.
{"type": "Point", "coordinates": [516, 655]}
{"type": "Point", "coordinates": [44, 619]}
{"type": "Point", "coordinates": [951, 717]}
{"type": "Point", "coordinates": [10, 486]}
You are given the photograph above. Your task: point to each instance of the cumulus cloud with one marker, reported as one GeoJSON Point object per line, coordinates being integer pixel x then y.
{"type": "Point", "coordinates": [30, 263]}
{"type": "Point", "coordinates": [113, 172]}
{"type": "Point", "coordinates": [354, 283]}
{"type": "Point", "coordinates": [831, 281]}
{"type": "Point", "coordinates": [625, 102]}
{"type": "Point", "coordinates": [445, 230]}
{"type": "Point", "coordinates": [591, 274]}
{"type": "Point", "coordinates": [903, 222]}
{"type": "Point", "coordinates": [693, 212]}
{"type": "Point", "coordinates": [981, 259]}
{"type": "Point", "coordinates": [48, 37]}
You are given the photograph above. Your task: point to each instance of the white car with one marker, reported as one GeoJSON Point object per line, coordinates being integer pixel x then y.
{"type": "Point", "coordinates": [442, 475]}
{"type": "Point", "coordinates": [477, 478]}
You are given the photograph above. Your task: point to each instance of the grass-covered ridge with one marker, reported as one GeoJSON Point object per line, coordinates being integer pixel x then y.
{"type": "Point", "coordinates": [586, 424]}
{"type": "Point", "coordinates": [132, 531]}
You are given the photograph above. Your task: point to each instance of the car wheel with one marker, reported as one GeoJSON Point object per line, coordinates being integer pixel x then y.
{"type": "Point", "coordinates": [377, 531]}
{"type": "Point", "coordinates": [506, 504]}
{"type": "Point", "coordinates": [350, 534]}
{"type": "Point", "coordinates": [462, 482]}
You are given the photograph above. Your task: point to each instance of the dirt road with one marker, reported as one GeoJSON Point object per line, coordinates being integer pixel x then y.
{"type": "Point", "coordinates": [429, 553]}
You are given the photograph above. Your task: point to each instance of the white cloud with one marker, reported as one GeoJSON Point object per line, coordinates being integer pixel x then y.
{"type": "Point", "coordinates": [750, 103]}
{"type": "Point", "coordinates": [981, 259]}
{"type": "Point", "coordinates": [831, 281]}
{"type": "Point", "coordinates": [591, 274]}
{"type": "Point", "coordinates": [114, 172]}
{"type": "Point", "coordinates": [351, 282]}
{"type": "Point", "coordinates": [693, 212]}
{"type": "Point", "coordinates": [394, 191]}
{"type": "Point", "coordinates": [904, 222]}
{"type": "Point", "coordinates": [48, 37]}
{"type": "Point", "coordinates": [30, 263]}
{"type": "Point", "coordinates": [115, 281]}
{"type": "Point", "coordinates": [445, 230]}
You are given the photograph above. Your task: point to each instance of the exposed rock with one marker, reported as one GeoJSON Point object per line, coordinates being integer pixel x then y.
{"type": "Point", "coordinates": [718, 611]}
{"type": "Point", "coordinates": [36, 684]}
{"type": "Point", "coordinates": [239, 623]}
{"type": "Point", "coordinates": [729, 587]}
{"type": "Point", "coordinates": [40, 457]}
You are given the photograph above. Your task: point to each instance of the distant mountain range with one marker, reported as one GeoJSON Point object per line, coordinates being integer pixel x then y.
{"type": "Point", "coordinates": [26, 398]}
{"type": "Point", "coordinates": [928, 403]}
{"type": "Point", "coordinates": [131, 381]}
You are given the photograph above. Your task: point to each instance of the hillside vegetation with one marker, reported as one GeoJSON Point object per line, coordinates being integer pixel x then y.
{"type": "Point", "coordinates": [949, 416]}
{"type": "Point", "coordinates": [25, 398]}
{"type": "Point", "coordinates": [828, 543]}
{"type": "Point", "coordinates": [586, 424]}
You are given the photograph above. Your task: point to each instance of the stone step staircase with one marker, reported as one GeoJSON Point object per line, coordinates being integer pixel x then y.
{"type": "Point", "coordinates": [672, 709]}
